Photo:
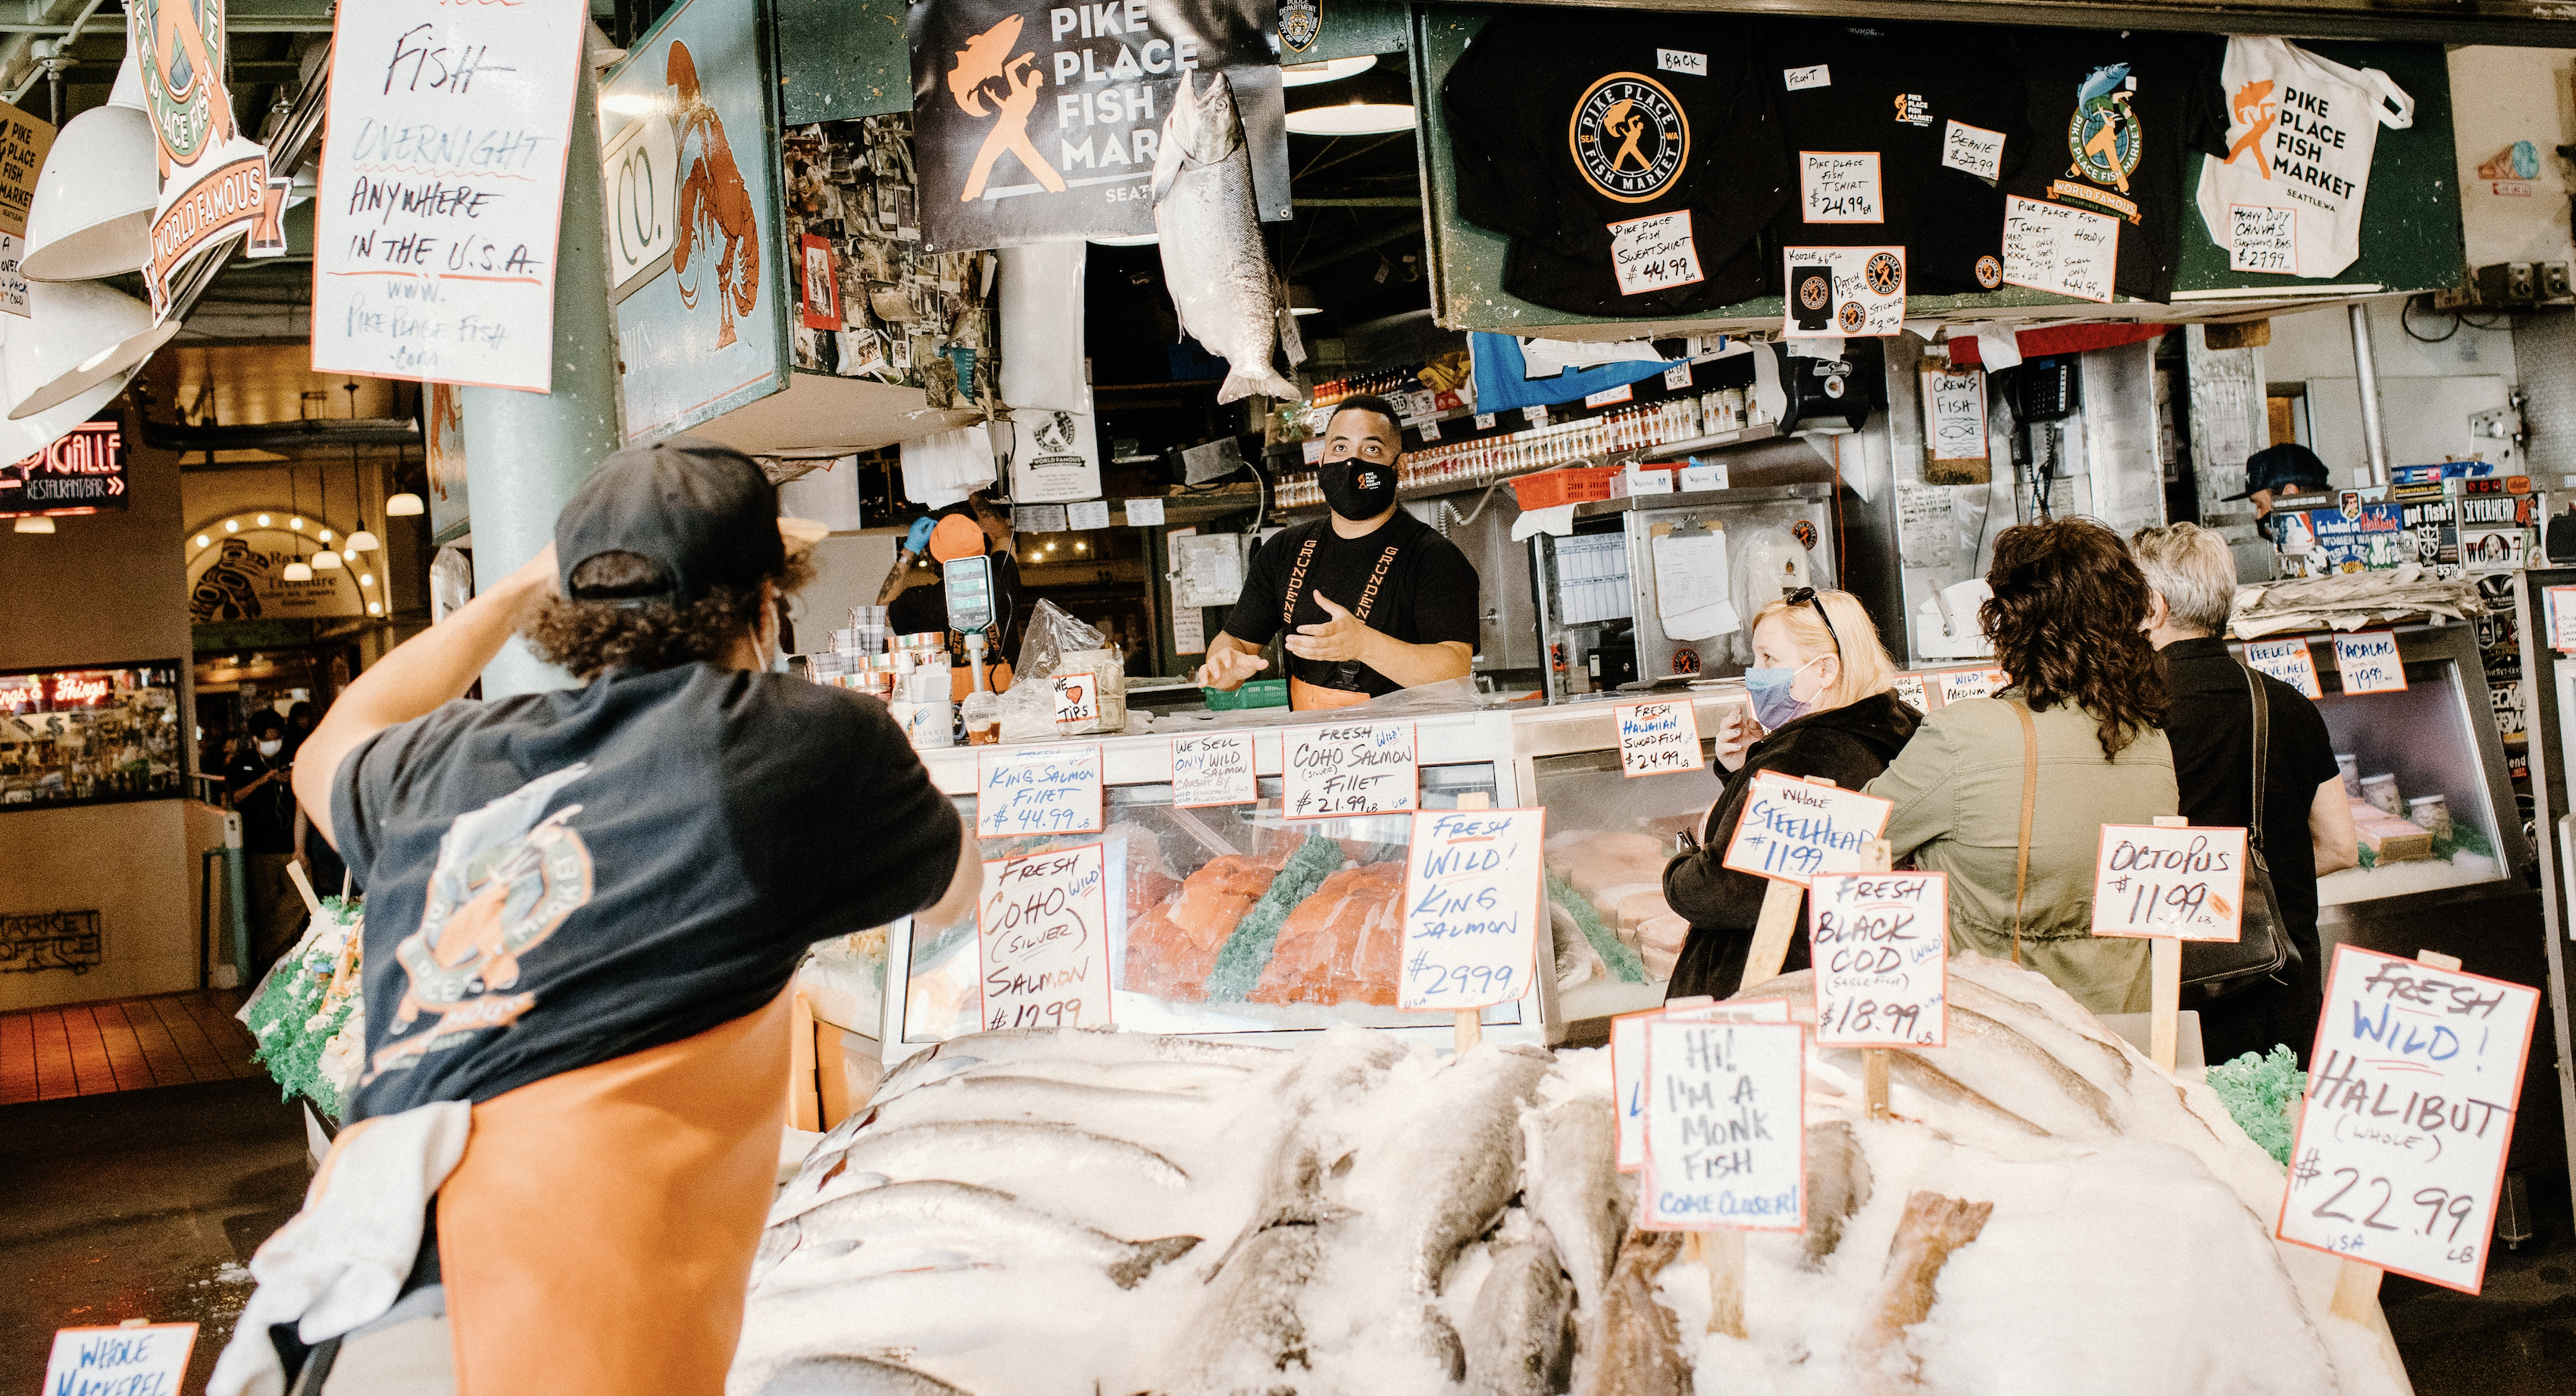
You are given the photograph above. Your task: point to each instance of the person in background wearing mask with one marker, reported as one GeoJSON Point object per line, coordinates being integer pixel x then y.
{"type": "Point", "coordinates": [1822, 690]}
{"type": "Point", "coordinates": [1373, 599]}
{"type": "Point", "coordinates": [299, 725]}
{"type": "Point", "coordinates": [2285, 469]}
{"type": "Point", "coordinates": [257, 780]}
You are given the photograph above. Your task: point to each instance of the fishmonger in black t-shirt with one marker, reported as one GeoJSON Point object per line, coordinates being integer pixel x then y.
{"type": "Point", "coordinates": [1373, 599]}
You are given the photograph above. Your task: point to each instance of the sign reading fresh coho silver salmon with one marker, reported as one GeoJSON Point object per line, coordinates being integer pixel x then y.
{"type": "Point", "coordinates": [1035, 122]}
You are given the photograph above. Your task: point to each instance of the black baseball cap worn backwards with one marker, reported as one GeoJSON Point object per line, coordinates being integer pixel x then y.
{"type": "Point", "coordinates": [704, 515]}
{"type": "Point", "coordinates": [2286, 464]}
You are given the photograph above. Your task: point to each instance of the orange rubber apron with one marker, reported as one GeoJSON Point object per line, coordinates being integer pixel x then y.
{"type": "Point", "coordinates": [1308, 697]}
{"type": "Point", "coordinates": [597, 1236]}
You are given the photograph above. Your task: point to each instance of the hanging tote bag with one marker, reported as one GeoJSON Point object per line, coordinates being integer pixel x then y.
{"type": "Point", "coordinates": [2214, 969]}
{"type": "Point", "coordinates": [2301, 129]}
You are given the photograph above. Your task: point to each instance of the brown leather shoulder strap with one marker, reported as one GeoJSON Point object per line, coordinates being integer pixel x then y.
{"type": "Point", "coordinates": [2029, 804]}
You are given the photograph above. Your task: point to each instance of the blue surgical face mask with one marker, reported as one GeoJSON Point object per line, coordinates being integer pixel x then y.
{"type": "Point", "coordinates": [1769, 688]}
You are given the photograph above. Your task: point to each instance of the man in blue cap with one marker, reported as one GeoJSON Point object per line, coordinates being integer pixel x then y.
{"type": "Point", "coordinates": [2286, 469]}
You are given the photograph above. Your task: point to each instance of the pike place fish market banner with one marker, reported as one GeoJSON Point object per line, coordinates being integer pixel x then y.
{"type": "Point", "coordinates": [1039, 122]}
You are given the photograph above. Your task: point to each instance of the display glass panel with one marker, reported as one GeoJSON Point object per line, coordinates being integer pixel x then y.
{"type": "Point", "coordinates": [2419, 790]}
{"type": "Point", "coordinates": [90, 736]}
{"type": "Point", "coordinates": [1608, 838]}
{"type": "Point", "coordinates": [1227, 918]}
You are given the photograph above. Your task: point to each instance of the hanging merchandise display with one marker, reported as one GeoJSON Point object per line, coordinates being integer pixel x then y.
{"type": "Point", "coordinates": [2286, 196]}
{"type": "Point", "coordinates": [1040, 121]}
{"type": "Point", "coordinates": [1642, 142]}
{"type": "Point", "coordinates": [214, 178]}
{"type": "Point", "coordinates": [1055, 455]}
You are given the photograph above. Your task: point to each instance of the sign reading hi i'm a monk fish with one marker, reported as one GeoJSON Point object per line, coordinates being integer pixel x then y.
{"type": "Point", "coordinates": [1793, 829]}
{"type": "Point", "coordinates": [1726, 1127]}
{"type": "Point", "coordinates": [1471, 908]}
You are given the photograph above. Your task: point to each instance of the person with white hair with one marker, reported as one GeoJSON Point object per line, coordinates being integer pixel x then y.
{"type": "Point", "coordinates": [2307, 816]}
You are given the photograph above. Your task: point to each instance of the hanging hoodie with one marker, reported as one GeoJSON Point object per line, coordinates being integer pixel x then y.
{"type": "Point", "coordinates": [2300, 133]}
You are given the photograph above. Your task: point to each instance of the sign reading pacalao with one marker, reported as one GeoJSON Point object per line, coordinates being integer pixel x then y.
{"type": "Point", "coordinates": [442, 185]}
{"type": "Point", "coordinates": [1038, 121]}
{"type": "Point", "coordinates": [214, 179]}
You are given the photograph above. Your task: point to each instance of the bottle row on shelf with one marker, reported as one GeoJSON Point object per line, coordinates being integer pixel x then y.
{"type": "Point", "coordinates": [1547, 444]}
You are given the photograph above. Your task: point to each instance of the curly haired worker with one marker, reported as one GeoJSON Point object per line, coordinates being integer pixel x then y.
{"type": "Point", "coordinates": [2087, 694]}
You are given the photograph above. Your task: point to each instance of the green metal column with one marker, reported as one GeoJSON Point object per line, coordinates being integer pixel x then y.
{"type": "Point", "coordinates": [525, 453]}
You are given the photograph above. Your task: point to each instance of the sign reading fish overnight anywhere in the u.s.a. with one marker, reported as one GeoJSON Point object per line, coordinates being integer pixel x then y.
{"type": "Point", "coordinates": [708, 330]}
{"type": "Point", "coordinates": [442, 191]}
{"type": "Point", "coordinates": [1038, 121]}
{"type": "Point", "coordinates": [214, 177]}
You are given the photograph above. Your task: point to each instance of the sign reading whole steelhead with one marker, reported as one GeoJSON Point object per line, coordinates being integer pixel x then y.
{"type": "Point", "coordinates": [442, 185]}
{"type": "Point", "coordinates": [1037, 122]}
{"type": "Point", "coordinates": [214, 179]}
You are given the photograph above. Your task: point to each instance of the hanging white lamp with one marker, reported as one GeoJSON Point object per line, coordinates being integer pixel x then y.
{"type": "Point", "coordinates": [78, 335]}
{"type": "Point", "coordinates": [91, 214]}
{"type": "Point", "coordinates": [404, 505]}
{"type": "Point", "coordinates": [326, 561]}
{"type": "Point", "coordinates": [361, 541]}
{"type": "Point", "coordinates": [38, 524]}
{"type": "Point", "coordinates": [297, 572]}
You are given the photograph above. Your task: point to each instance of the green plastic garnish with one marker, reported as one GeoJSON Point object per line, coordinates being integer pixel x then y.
{"type": "Point", "coordinates": [1624, 963]}
{"type": "Point", "coordinates": [2258, 1092]}
{"type": "Point", "coordinates": [1247, 951]}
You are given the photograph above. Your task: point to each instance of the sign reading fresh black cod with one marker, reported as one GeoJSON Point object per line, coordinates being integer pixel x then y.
{"type": "Point", "coordinates": [1036, 122]}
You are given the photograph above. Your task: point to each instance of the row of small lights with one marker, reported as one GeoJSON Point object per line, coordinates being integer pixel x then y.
{"type": "Point", "coordinates": [326, 560]}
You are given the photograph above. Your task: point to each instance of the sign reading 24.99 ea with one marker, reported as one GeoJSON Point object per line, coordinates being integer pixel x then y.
{"type": "Point", "coordinates": [1472, 909]}
{"type": "Point", "coordinates": [442, 188]}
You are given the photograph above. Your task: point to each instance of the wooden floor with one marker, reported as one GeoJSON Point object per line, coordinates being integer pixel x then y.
{"type": "Point", "coordinates": [96, 1048]}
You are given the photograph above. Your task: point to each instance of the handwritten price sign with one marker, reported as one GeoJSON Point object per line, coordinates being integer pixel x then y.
{"type": "Point", "coordinates": [2368, 662]}
{"type": "Point", "coordinates": [1354, 768]}
{"type": "Point", "coordinates": [1726, 1127]}
{"type": "Point", "coordinates": [1658, 738]}
{"type": "Point", "coordinates": [1793, 830]}
{"type": "Point", "coordinates": [1628, 1060]}
{"type": "Point", "coordinates": [1213, 768]}
{"type": "Point", "coordinates": [1042, 940]}
{"type": "Point", "coordinates": [1037, 791]}
{"type": "Point", "coordinates": [2288, 661]}
{"type": "Point", "coordinates": [1654, 254]}
{"type": "Point", "coordinates": [2181, 882]}
{"type": "Point", "coordinates": [1881, 944]}
{"type": "Point", "coordinates": [2402, 1137]}
{"type": "Point", "coordinates": [1960, 684]}
{"type": "Point", "coordinates": [1471, 908]}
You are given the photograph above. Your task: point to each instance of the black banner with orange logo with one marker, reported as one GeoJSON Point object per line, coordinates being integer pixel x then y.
{"type": "Point", "coordinates": [1038, 122]}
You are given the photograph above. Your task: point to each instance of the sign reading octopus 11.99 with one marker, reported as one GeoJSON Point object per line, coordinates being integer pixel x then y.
{"type": "Point", "coordinates": [442, 187]}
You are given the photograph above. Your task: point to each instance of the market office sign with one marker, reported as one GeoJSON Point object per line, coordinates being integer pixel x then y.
{"type": "Point", "coordinates": [1036, 122]}
{"type": "Point", "coordinates": [82, 473]}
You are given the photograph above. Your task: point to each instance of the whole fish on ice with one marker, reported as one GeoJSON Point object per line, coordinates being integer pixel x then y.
{"type": "Point", "coordinates": [853, 1376]}
{"type": "Point", "coordinates": [1470, 1168]}
{"type": "Point", "coordinates": [974, 1151]}
{"type": "Point", "coordinates": [1572, 1185]}
{"type": "Point", "coordinates": [941, 1218]}
{"type": "Point", "coordinates": [1517, 1339]}
{"type": "Point", "coordinates": [1249, 1334]}
{"type": "Point", "coordinates": [1212, 255]}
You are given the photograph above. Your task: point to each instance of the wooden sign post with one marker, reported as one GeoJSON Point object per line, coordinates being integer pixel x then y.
{"type": "Point", "coordinates": [2169, 882]}
{"type": "Point", "coordinates": [1791, 830]}
{"type": "Point", "coordinates": [1725, 1144]}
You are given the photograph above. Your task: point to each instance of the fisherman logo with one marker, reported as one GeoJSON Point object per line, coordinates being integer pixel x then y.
{"type": "Point", "coordinates": [986, 69]}
{"type": "Point", "coordinates": [1990, 272]}
{"type": "Point", "coordinates": [1884, 274]}
{"type": "Point", "coordinates": [1815, 291]}
{"type": "Point", "coordinates": [2256, 111]}
{"type": "Point", "coordinates": [1299, 22]}
{"type": "Point", "coordinates": [2104, 135]}
{"type": "Point", "coordinates": [1629, 137]}
{"type": "Point", "coordinates": [1914, 109]}
{"type": "Point", "coordinates": [1851, 317]}
{"type": "Point", "coordinates": [183, 43]}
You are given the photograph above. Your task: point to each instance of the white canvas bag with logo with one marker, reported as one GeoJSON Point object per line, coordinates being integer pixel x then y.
{"type": "Point", "coordinates": [2300, 133]}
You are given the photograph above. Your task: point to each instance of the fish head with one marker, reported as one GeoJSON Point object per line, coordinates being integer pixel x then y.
{"type": "Point", "coordinates": [1203, 128]}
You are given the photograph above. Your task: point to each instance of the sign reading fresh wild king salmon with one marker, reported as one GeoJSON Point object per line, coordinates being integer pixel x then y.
{"type": "Point", "coordinates": [1034, 121]}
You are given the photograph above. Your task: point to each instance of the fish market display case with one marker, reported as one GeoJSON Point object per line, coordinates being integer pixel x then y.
{"type": "Point", "coordinates": [1201, 900]}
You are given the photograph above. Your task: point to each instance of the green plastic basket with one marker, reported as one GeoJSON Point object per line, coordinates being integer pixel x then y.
{"type": "Point", "coordinates": [1259, 693]}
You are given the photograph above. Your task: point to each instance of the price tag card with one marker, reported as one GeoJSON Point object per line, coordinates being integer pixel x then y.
{"type": "Point", "coordinates": [1628, 1060]}
{"type": "Point", "coordinates": [1954, 413]}
{"type": "Point", "coordinates": [2051, 247]}
{"type": "Point", "coordinates": [2562, 619]}
{"type": "Point", "coordinates": [1042, 940]}
{"type": "Point", "coordinates": [2368, 661]}
{"type": "Point", "coordinates": [2260, 238]}
{"type": "Point", "coordinates": [149, 1359]}
{"type": "Point", "coordinates": [1677, 377]}
{"type": "Point", "coordinates": [1958, 684]}
{"type": "Point", "coordinates": [1484, 421]}
{"type": "Point", "coordinates": [1472, 908]}
{"type": "Point", "coordinates": [1536, 413]}
{"type": "Point", "coordinates": [1625, 392]}
{"type": "Point", "coordinates": [1213, 768]}
{"type": "Point", "coordinates": [1793, 829]}
{"type": "Point", "coordinates": [1077, 698]}
{"type": "Point", "coordinates": [2401, 1141]}
{"type": "Point", "coordinates": [1658, 738]}
{"type": "Point", "coordinates": [1974, 149]}
{"type": "Point", "coordinates": [2183, 882]}
{"type": "Point", "coordinates": [1654, 254]}
{"type": "Point", "coordinates": [1881, 943]}
{"type": "Point", "coordinates": [1910, 687]}
{"type": "Point", "coordinates": [1840, 186]}
{"type": "Point", "coordinates": [1090, 513]}
{"type": "Point", "coordinates": [2288, 661]}
{"type": "Point", "coordinates": [1144, 513]}
{"type": "Point", "coordinates": [1036, 791]}
{"type": "Point", "coordinates": [1354, 768]}
{"type": "Point", "coordinates": [1726, 1127]}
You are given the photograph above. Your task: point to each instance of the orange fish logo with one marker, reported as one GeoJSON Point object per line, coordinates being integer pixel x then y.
{"type": "Point", "coordinates": [1012, 84]}
{"type": "Point", "coordinates": [2255, 109]}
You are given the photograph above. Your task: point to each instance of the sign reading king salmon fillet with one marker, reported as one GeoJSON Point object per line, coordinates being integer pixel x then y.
{"type": "Point", "coordinates": [1628, 1060]}
{"type": "Point", "coordinates": [1353, 768]}
{"type": "Point", "coordinates": [442, 185]}
{"type": "Point", "coordinates": [2409, 1112]}
{"type": "Point", "coordinates": [1042, 940]}
{"type": "Point", "coordinates": [1037, 791]}
{"type": "Point", "coordinates": [2178, 881]}
{"type": "Point", "coordinates": [1726, 1127]}
{"type": "Point", "coordinates": [1881, 946]}
{"type": "Point", "coordinates": [1472, 908]}
{"type": "Point", "coordinates": [1794, 829]}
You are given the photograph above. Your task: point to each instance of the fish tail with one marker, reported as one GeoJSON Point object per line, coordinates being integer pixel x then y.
{"type": "Point", "coordinates": [1144, 1256]}
{"type": "Point", "coordinates": [1241, 383]}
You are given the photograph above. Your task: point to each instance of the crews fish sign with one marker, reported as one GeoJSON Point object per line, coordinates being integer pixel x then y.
{"type": "Point", "coordinates": [1471, 908]}
{"type": "Point", "coordinates": [1793, 829]}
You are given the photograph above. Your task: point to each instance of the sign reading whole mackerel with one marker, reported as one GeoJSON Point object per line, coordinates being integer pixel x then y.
{"type": "Point", "coordinates": [1036, 122]}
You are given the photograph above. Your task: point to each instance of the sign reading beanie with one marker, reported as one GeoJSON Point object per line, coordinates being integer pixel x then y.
{"type": "Point", "coordinates": [2301, 130]}
{"type": "Point", "coordinates": [1610, 141]}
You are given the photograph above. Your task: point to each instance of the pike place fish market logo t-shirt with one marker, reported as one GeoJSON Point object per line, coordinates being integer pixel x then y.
{"type": "Point", "coordinates": [561, 879]}
{"type": "Point", "coordinates": [1629, 137]}
{"type": "Point", "coordinates": [1404, 579]}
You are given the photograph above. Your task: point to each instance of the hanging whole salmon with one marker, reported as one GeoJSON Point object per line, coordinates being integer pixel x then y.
{"type": "Point", "coordinates": [1212, 255]}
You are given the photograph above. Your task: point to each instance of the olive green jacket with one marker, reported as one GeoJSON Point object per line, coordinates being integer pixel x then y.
{"type": "Point", "coordinates": [1957, 788]}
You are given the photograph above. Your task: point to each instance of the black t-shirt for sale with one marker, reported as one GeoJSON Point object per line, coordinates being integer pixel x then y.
{"type": "Point", "coordinates": [1906, 95]}
{"type": "Point", "coordinates": [1565, 123]}
{"type": "Point", "coordinates": [560, 879]}
{"type": "Point", "coordinates": [1405, 580]}
{"type": "Point", "coordinates": [2117, 119]}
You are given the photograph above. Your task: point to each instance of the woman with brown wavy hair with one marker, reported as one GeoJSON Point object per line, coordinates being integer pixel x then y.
{"type": "Point", "coordinates": [2008, 794]}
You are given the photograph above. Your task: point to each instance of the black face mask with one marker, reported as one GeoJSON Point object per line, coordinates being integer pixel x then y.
{"type": "Point", "coordinates": [1358, 490]}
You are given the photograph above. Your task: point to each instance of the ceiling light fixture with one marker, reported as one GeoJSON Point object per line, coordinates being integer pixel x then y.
{"type": "Point", "coordinates": [1354, 118]}
{"type": "Point", "coordinates": [297, 572]}
{"type": "Point", "coordinates": [38, 524]}
{"type": "Point", "coordinates": [1301, 301]}
{"type": "Point", "coordinates": [91, 215]}
{"type": "Point", "coordinates": [1330, 70]}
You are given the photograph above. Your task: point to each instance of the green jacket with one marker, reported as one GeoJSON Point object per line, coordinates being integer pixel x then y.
{"type": "Point", "coordinates": [1957, 788]}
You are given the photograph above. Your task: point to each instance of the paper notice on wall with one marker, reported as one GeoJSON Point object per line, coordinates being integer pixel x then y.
{"type": "Point", "coordinates": [1691, 586]}
{"type": "Point", "coordinates": [1954, 414]}
{"type": "Point", "coordinates": [1058, 456]}
{"type": "Point", "coordinates": [1189, 630]}
{"type": "Point", "coordinates": [2051, 247]}
{"type": "Point", "coordinates": [1927, 525]}
{"type": "Point", "coordinates": [2260, 238]}
{"type": "Point", "coordinates": [442, 185]}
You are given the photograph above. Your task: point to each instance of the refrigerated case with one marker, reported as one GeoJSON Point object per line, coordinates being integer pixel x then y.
{"type": "Point", "coordinates": [2549, 720]}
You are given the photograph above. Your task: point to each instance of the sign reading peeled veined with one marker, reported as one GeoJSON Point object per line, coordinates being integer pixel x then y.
{"type": "Point", "coordinates": [1037, 122]}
